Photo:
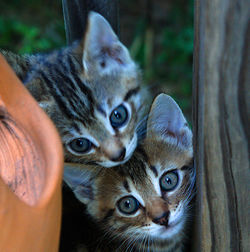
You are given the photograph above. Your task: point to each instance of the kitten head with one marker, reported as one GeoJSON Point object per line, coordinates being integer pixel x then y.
{"type": "Point", "coordinates": [144, 203]}
{"type": "Point", "coordinates": [91, 91]}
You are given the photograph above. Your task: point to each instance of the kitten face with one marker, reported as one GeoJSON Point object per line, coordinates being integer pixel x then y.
{"type": "Point", "coordinates": [149, 203]}
{"type": "Point", "coordinates": [92, 93]}
{"type": "Point", "coordinates": [144, 203]}
{"type": "Point", "coordinates": [108, 134]}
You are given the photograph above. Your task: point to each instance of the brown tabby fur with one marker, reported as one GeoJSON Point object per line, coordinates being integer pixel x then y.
{"type": "Point", "coordinates": [101, 189]}
{"type": "Point", "coordinates": [80, 85]}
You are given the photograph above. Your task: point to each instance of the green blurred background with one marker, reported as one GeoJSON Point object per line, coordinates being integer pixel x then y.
{"type": "Point", "coordinates": [158, 33]}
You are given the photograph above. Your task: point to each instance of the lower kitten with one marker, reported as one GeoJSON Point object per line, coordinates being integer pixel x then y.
{"type": "Point", "coordinates": [145, 203]}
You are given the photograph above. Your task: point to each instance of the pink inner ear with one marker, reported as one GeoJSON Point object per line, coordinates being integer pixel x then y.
{"type": "Point", "coordinates": [113, 53]}
{"type": "Point", "coordinates": [169, 133]}
{"type": "Point", "coordinates": [181, 137]}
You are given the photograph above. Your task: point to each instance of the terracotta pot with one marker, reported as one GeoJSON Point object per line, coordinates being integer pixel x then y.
{"type": "Point", "coordinates": [31, 161]}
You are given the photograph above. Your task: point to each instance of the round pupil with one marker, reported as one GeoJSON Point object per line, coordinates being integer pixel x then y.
{"type": "Point", "coordinates": [119, 116]}
{"type": "Point", "coordinates": [127, 204]}
{"type": "Point", "coordinates": [79, 142]}
{"type": "Point", "coordinates": [169, 181]}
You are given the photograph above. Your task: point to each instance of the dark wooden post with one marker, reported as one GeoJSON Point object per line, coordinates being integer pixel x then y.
{"type": "Point", "coordinates": [221, 124]}
{"type": "Point", "coordinates": [75, 15]}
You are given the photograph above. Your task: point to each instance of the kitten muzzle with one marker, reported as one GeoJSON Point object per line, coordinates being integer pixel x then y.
{"type": "Point", "coordinates": [163, 220]}
{"type": "Point", "coordinates": [119, 155]}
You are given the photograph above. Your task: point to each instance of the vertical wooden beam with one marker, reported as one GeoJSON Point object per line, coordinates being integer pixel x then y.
{"type": "Point", "coordinates": [221, 124]}
{"type": "Point", "coordinates": [76, 11]}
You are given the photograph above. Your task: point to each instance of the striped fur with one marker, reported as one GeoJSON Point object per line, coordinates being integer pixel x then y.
{"type": "Point", "coordinates": [79, 86]}
{"type": "Point", "coordinates": [160, 154]}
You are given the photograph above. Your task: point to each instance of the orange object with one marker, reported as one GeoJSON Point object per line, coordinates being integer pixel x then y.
{"type": "Point", "coordinates": [31, 161]}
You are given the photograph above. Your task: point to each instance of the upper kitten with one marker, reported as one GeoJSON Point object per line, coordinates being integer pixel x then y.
{"type": "Point", "coordinates": [91, 90]}
{"type": "Point", "coordinates": [144, 204]}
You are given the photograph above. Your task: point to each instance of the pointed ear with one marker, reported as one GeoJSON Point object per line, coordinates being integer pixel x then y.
{"type": "Point", "coordinates": [102, 51]}
{"type": "Point", "coordinates": [80, 180]}
{"type": "Point", "coordinates": [167, 121]}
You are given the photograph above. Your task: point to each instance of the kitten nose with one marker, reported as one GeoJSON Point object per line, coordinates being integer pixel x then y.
{"type": "Point", "coordinates": [163, 220]}
{"type": "Point", "coordinates": [120, 155]}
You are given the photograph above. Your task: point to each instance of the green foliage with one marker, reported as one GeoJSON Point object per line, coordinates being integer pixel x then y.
{"type": "Point", "coordinates": [171, 65]}
{"type": "Point", "coordinates": [22, 38]}
{"type": "Point", "coordinates": [164, 50]}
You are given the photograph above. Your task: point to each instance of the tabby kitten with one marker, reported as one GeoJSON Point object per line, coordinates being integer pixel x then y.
{"type": "Point", "coordinates": [144, 204]}
{"type": "Point", "coordinates": [91, 91]}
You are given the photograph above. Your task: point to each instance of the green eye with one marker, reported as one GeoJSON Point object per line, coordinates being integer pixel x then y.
{"type": "Point", "coordinates": [169, 181]}
{"type": "Point", "coordinates": [119, 116]}
{"type": "Point", "coordinates": [80, 145]}
{"type": "Point", "coordinates": [128, 205]}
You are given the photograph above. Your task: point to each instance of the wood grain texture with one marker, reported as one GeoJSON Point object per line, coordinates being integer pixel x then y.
{"type": "Point", "coordinates": [75, 14]}
{"type": "Point", "coordinates": [221, 124]}
{"type": "Point", "coordinates": [31, 162]}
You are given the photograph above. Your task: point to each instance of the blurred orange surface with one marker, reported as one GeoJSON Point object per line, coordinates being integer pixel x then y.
{"type": "Point", "coordinates": [31, 163]}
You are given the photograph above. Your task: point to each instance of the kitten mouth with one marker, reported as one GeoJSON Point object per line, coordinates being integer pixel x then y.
{"type": "Point", "coordinates": [173, 224]}
{"type": "Point", "coordinates": [167, 231]}
{"type": "Point", "coordinates": [126, 158]}
{"type": "Point", "coordinates": [169, 227]}
{"type": "Point", "coordinates": [108, 163]}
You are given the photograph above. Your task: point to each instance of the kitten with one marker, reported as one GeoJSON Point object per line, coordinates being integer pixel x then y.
{"type": "Point", "coordinates": [91, 90]}
{"type": "Point", "coordinates": [145, 203]}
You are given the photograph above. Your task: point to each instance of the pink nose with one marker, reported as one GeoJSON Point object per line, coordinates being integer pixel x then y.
{"type": "Point", "coordinates": [119, 156]}
{"type": "Point", "coordinates": [162, 220]}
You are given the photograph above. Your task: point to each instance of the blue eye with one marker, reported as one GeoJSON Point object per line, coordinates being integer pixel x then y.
{"type": "Point", "coordinates": [128, 205]}
{"type": "Point", "coordinates": [169, 181]}
{"type": "Point", "coordinates": [80, 145]}
{"type": "Point", "coordinates": [118, 116]}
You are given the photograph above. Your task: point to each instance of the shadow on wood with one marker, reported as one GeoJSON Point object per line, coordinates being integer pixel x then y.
{"type": "Point", "coordinates": [31, 161]}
